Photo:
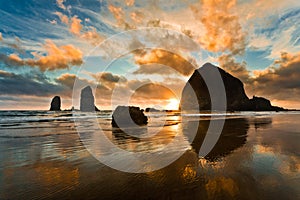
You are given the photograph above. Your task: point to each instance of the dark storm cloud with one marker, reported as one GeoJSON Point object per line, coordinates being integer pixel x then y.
{"type": "Point", "coordinates": [29, 84]}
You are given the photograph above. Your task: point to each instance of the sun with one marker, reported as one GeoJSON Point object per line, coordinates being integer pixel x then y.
{"type": "Point", "coordinates": [173, 104]}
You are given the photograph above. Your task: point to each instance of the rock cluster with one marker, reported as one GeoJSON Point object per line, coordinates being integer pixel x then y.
{"type": "Point", "coordinates": [151, 110]}
{"type": "Point", "coordinates": [128, 116]}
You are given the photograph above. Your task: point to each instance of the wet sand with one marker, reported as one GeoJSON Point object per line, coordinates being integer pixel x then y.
{"type": "Point", "coordinates": [256, 157]}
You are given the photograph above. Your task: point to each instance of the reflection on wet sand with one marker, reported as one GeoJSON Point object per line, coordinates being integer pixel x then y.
{"type": "Point", "coordinates": [245, 163]}
{"type": "Point", "coordinates": [233, 136]}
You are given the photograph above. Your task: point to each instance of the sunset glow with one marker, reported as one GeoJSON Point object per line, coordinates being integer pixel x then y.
{"type": "Point", "coordinates": [45, 47]}
{"type": "Point", "coordinates": [149, 99]}
{"type": "Point", "coordinates": [173, 104]}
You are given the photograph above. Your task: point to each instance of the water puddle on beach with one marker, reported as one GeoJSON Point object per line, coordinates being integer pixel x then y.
{"type": "Point", "coordinates": [257, 156]}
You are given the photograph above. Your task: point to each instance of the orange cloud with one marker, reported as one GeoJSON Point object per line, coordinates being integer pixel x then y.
{"type": "Point", "coordinates": [63, 18]}
{"type": "Point", "coordinates": [67, 80]}
{"type": "Point", "coordinates": [288, 59]}
{"type": "Point", "coordinates": [129, 2]}
{"type": "Point", "coordinates": [137, 16]}
{"type": "Point", "coordinates": [239, 70]}
{"type": "Point", "coordinates": [119, 15]}
{"type": "Point", "coordinates": [93, 36]}
{"type": "Point", "coordinates": [61, 57]}
{"type": "Point", "coordinates": [117, 12]}
{"type": "Point", "coordinates": [159, 56]}
{"type": "Point", "coordinates": [223, 30]}
{"type": "Point", "coordinates": [75, 26]}
{"type": "Point", "coordinates": [60, 4]}
{"type": "Point", "coordinates": [153, 91]}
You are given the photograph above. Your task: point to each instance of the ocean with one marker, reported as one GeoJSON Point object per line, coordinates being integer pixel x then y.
{"type": "Point", "coordinates": [65, 155]}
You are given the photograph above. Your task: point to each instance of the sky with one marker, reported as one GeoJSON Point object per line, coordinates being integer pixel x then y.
{"type": "Point", "coordinates": [142, 52]}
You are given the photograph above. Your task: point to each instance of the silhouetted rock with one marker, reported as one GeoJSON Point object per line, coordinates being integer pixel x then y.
{"type": "Point", "coordinates": [127, 116]}
{"type": "Point", "coordinates": [260, 103]}
{"type": "Point", "coordinates": [72, 109]}
{"type": "Point", "coordinates": [87, 101]}
{"type": "Point", "coordinates": [196, 95]}
{"type": "Point", "coordinates": [55, 104]}
{"type": "Point", "coordinates": [151, 110]}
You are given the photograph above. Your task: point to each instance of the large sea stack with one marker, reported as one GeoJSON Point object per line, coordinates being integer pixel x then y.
{"type": "Point", "coordinates": [87, 101]}
{"type": "Point", "coordinates": [195, 95]}
{"type": "Point", "coordinates": [128, 116]}
{"type": "Point", "coordinates": [55, 104]}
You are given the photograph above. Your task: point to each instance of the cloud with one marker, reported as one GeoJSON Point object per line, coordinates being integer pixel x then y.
{"type": "Point", "coordinates": [120, 16]}
{"type": "Point", "coordinates": [54, 22]}
{"type": "Point", "coordinates": [14, 43]}
{"type": "Point", "coordinates": [259, 10]}
{"type": "Point", "coordinates": [75, 26]}
{"type": "Point", "coordinates": [280, 81]}
{"type": "Point", "coordinates": [154, 91]}
{"type": "Point", "coordinates": [5, 74]}
{"type": "Point", "coordinates": [67, 80]}
{"type": "Point", "coordinates": [137, 16]}
{"type": "Point", "coordinates": [63, 18]}
{"type": "Point", "coordinates": [22, 90]}
{"type": "Point", "coordinates": [57, 57]}
{"type": "Point", "coordinates": [223, 30]}
{"type": "Point", "coordinates": [29, 84]}
{"type": "Point", "coordinates": [163, 57]}
{"type": "Point", "coordinates": [93, 36]}
{"type": "Point", "coordinates": [260, 42]}
{"type": "Point", "coordinates": [154, 68]}
{"type": "Point", "coordinates": [60, 4]}
{"type": "Point", "coordinates": [129, 2]}
{"type": "Point", "coordinates": [117, 12]}
{"type": "Point", "coordinates": [239, 70]}
{"type": "Point", "coordinates": [283, 43]}
{"type": "Point", "coordinates": [37, 83]}
{"type": "Point", "coordinates": [115, 88]}
{"type": "Point", "coordinates": [108, 79]}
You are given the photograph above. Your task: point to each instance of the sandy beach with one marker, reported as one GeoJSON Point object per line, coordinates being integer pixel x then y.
{"type": "Point", "coordinates": [256, 157]}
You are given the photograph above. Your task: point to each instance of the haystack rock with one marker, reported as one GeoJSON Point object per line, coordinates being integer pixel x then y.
{"type": "Point", "coordinates": [196, 95]}
{"type": "Point", "coordinates": [55, 104]}
{"type": "Point", "coordinates": [128, 116]}
{"type": "Point", "coordinates": [87, 101]}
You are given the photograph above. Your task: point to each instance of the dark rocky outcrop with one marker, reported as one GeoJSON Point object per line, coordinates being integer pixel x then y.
{"type": "Point", "coordinates": [196, 95]}
{"type": "Point", "coordinates": [55, 104]}
{"type": "Point", "coordinates": [151, 110]}
{"type": "Point", "coordinates": [262, 104]}
{"type": "Point", "coordinates": [87, 101]}
{"type": "Point", "coordinates": [128, 116]}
